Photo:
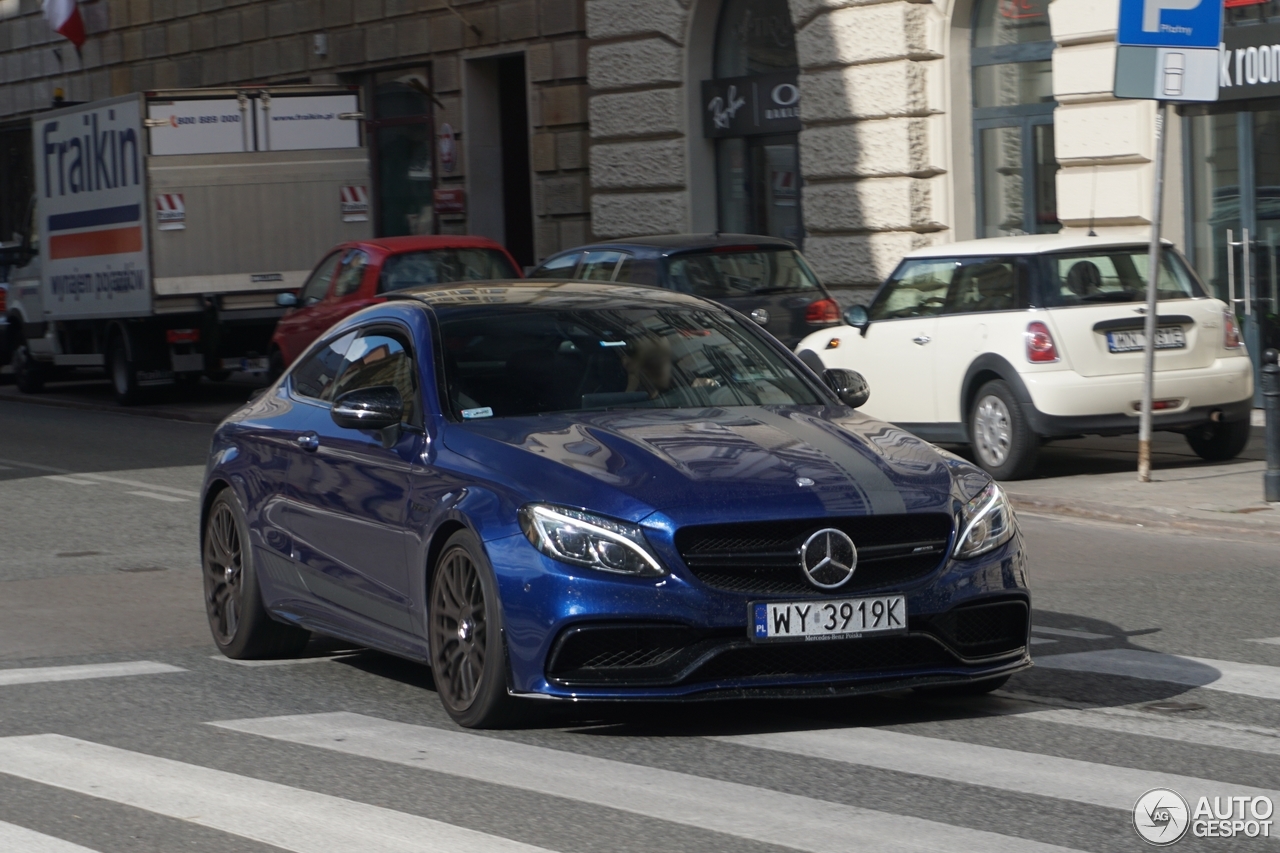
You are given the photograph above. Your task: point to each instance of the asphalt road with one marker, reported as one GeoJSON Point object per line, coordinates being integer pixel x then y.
{"type": "Point", "coordinates": [122, 730]}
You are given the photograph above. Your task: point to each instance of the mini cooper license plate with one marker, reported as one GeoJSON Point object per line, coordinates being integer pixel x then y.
{"type": "Point", "coordinates": [1167, 337]}
{"type": "Point", "coordinates": [828, 619]}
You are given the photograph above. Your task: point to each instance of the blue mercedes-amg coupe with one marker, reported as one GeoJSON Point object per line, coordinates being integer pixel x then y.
{"type": "Point", "coordinates": [600, 491]}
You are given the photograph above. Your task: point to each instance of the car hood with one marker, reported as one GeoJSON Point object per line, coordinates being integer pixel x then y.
{"type": "Point", "coordinates": [747, 462]}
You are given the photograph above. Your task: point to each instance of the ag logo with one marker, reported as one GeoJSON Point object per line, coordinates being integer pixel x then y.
{"type": "Point", "coordinates": [1161, 817]}
{"type": "Point", "coordinates": [828, 558]}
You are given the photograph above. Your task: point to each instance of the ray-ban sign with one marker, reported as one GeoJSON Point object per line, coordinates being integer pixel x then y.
{"type": "Point", "coordinates": [751, 106]}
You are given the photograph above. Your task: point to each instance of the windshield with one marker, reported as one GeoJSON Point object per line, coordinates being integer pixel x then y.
{"type": "Point", "coordinates": [721, 274]}
{"type": "Point", "coordinates": [439, 266]}
{"type": "Point", "coordinates": [524, 362]}
{"type": "Point", "coordinates": [1115, 275]}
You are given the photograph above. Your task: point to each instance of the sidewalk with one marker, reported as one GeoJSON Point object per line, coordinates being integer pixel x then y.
{"type": "Point", "coordinates": [1185, 493]}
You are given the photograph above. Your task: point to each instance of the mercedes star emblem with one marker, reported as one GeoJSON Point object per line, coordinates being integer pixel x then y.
{"type": "Point", "coordinates": [828, 558]}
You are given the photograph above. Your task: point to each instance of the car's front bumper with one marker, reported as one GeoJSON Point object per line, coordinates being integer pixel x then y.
{"type": "Point", "coordinates": [544, 602]}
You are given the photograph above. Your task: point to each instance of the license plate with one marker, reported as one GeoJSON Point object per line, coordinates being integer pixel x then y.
{"type": "Point", "coordinates": [1167, 337]}
{"type": "Point", "coordinates": [831, 619]}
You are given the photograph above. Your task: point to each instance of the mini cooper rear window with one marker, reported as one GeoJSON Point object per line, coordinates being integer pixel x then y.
{"type": "Point", "coordinates": [1115, 275]}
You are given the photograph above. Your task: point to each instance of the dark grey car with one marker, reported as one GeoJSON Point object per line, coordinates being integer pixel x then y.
{"type": "Point", "coordinates": [765, 278]}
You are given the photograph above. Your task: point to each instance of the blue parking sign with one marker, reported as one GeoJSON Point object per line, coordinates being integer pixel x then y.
{"type": "Point", "coordinates": [1170, 23]}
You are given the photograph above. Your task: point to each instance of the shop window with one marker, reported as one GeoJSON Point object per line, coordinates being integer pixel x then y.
{"type": "Point", "coordinates": [400, 136]}
{"type": "Point", "coordinates": [1013, 107]}
{"type": "Point", "coordinates": [753, 114]}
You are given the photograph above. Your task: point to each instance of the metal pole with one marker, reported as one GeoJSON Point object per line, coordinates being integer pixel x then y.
{"type": "Point", "coordinates": [1271, 395]}
{"type": "Point", "coordinates": [1153, 284]}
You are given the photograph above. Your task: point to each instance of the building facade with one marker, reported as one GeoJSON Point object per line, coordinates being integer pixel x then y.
{"type": "Point", "coordinates": [860, 128]}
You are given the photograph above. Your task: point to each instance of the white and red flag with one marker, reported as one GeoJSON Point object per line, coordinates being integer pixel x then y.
{"type": "Point", "coordinates": [63, 16]}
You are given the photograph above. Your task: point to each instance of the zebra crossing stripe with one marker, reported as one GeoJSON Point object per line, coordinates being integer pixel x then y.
{"type": "Point", "coordinates": [41, 674]}
{"type": "Point", "coordinates": [289, 818]}
{"type": "Point", "coordinates": [1220, 734]}
{"type": "Point", "coordinates": [730, 808]}
{"type": "Point", "coordinates": [1243, 679]}
{"type": "Point", "coordinates": [989, 766]}
{"type": "Point", "coordinates": [19, 839]}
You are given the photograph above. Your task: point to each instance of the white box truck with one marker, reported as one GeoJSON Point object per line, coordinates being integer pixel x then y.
{"type": "Point", "coordinates": [166, 224]}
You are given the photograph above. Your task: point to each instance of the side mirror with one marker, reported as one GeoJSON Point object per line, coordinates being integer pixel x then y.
{"type": "Point", "coordinates": [378, 407]}
{"type": "Point", "coordinates": [287, 300]}
{"type": "Point", "coordinates": [849, 386]}
{"type": "Point", "coordinates": [857, 316]}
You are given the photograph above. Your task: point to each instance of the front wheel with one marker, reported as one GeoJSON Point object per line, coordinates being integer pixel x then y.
{"type": "Point", "coordinates": [468, 658]}
{"type": "Point", "coordinates": [1218, 442]}
{"type": "Point", "coordinates": [241, 627]}
{"type": "Point", "coordinates": [1002, 439]}
{"type": "Point", "coordinates": [28, 373]}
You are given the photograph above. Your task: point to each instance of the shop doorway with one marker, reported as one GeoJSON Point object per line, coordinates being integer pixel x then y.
{"type": "Point", "coordinates": [400, 135]}
{"type": "Point", "coordinates": [1233, 218]}
{"type": "Point", "coordinates": [499, 193]}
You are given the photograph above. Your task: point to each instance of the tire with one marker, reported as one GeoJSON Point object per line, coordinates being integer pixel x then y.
{"type": "Point", "coordinates": [123, 373]}
{"type": "Point", "coordinates": [28, 373]}
{"type": "Point", "coordinates": [1002, 440]}
{"type": "Point", "coordinates": [1218, 442]}
{"type": "Point", "coordinates": [240, 625]}
{"type": "Point", "coordinates": [468, 655]}
{"type": "Point", "coordinates": [970, 688]}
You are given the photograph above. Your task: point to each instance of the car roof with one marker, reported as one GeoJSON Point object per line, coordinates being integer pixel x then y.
{"type": "Point", "coordinates": [671, 243]}
{"type": "Point", "coordinates": [1027, 244]}
{"type": "Point", "coordinates": [545, 293]}
{"type": "Point", "coordinates": [395, 245]}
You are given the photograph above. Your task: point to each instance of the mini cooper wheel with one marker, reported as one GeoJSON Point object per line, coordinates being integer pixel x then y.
{"type": "Point", "coordinates": [468, 657]}
{"type": "Point", "coordinates": [1221, 441]}
{"type": "Point", "coordinates": [1001, 438]}
{"type": "Point", "coordinates": [240, 624]}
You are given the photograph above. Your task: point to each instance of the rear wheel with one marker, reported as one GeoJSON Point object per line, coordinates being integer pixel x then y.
{"type": "Point", "coordinates": [124, 372]}
{"type": "Point", "coordinates": [233, 601]}
{"type": "Point", "coordinates": [468, 658]}
{"type": "Point", "coordinates": [1218, 442]}
{"type": "Point", "coordinates": [1000, 435]}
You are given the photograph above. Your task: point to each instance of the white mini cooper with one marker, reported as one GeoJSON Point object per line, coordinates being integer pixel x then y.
{"type": "Point", "coordinates": [1004, 343]}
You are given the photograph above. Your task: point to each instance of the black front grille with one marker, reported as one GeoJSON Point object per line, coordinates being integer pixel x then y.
{"type": "Point", "coordinates": [764, 557]}
{"type": "Point", "coordinates": [981, 630]}
{"type": "Point", "coordinates": [640, 655]}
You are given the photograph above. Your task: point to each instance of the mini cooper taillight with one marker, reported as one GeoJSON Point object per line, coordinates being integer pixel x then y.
{"type": "Point", "coordinates": [824, 312]}
{"type": "Point", "coordinates": [1040, 347]}
{"type": "Point", "coordinates": [1231, 331]}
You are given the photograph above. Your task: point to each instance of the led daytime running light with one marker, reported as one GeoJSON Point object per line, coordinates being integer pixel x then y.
{"type": "Point", "coordinates": [989, 501]}
{"type": "Point", "coordinates": [542, 523]}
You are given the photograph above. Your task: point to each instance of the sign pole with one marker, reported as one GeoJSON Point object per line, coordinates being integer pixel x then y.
{"type": "Point", "coordinates": [1153, 278]}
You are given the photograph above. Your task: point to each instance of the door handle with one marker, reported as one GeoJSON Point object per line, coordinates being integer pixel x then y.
{"type": "Point", "coordinates": [921, 339]}
{"type": "Point", "coordinates": [308, 441]}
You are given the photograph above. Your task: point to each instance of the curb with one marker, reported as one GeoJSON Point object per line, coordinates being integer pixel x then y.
{"type": "Point", "coordinates": [1145, 518]}
{"type": "Point", "coordinates": [161, 414]}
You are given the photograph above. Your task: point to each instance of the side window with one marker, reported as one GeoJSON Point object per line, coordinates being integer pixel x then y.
{"type": "Point", "coordinates": [599, 266]}
{"type": "Point", "coordinates": [637, 272]}
{"type": "Point", "coordinates": [557, 267]}
{"type": "Point", "coordinates": [918, 289]}
{"type": "Point", "coordinates": [381, 357]}
{"type": "Point", "coordinates": [351, 274]}
{"type": "Point", "coordinates": [985, 285]}
{"type": "Point", "coordinates": [314, 376]}
{"type": "Point", "coordinates": [318, 285]}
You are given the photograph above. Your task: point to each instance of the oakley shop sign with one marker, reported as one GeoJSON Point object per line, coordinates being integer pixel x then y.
{"type": "Point", "coordinates": [751, 106]}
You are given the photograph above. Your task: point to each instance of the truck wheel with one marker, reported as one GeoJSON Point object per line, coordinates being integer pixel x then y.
{"type": "Point", "coordinates": [27, 372]}
{"type": "Point", "coordinates": [1221, 441]}
{"type": "Point", "coordinates": [1002, 439]}
{"type": "Point", "coordinates": [124, 374]}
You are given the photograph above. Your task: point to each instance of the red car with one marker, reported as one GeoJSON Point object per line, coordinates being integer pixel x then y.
{"type": "Point", "coordinates": [354, 275]}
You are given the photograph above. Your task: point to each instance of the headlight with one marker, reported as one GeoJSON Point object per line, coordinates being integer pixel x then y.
{"type": "Point", "coordinates": [986, 522]}
{"type": "Point", "coordinates": [583, 539]}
